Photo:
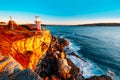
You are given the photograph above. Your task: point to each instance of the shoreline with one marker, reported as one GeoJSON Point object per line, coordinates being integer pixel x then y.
{"type": "Point", "coordinates": [46, 60]}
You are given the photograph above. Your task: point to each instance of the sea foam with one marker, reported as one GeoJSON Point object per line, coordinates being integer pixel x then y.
{"type": "Point", "coordinates": [87, 68]}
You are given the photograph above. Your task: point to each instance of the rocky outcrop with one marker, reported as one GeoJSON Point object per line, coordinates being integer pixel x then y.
{"type": "Point", "coordinates": [49, 66]}
{"type": "Point", "coordinates": [26, 74]}
{"type": "Point", "coordinates": [28, 51]}
{"type": "Point", "coordinates": [57, 44]}
{"type": "Point", "coordinates": [8, 66]}
{"type": "Point", "coordinates": [103, 77]}
{"type": "Point", "coordinates": [42, 53]}
{"type": "Point", "coordinates": [7, 37]}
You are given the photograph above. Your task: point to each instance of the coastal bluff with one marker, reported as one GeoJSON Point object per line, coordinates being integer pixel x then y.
{"type": "Point", "coordinates": [27, 54]}
{"type": "Point", "coordinates": [22, 47]}
{"type": "Point", "coordinates": [28, 51]}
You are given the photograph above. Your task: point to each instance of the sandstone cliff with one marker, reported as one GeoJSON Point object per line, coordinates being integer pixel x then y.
{"type": "Point", "coordinates": [48, 66]}
{"type": "Point", "coordinates": [40, 52]}
{"type": "Point", "coordinates": [29, 50]}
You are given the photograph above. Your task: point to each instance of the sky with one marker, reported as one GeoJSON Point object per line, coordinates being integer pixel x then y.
{"type": "Point", "coordinates": [61, 11]}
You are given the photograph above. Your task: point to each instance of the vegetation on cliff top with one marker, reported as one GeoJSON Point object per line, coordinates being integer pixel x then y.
{"type": "Point", "coordinates": [7, 36]}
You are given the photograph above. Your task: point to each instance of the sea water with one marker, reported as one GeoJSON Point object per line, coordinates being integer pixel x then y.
{"type": "Point", "coordinates": [99, 46]}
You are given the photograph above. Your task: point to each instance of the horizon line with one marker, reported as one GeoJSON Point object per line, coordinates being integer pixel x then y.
{"type": "Point", "coordinates": [29, 18]}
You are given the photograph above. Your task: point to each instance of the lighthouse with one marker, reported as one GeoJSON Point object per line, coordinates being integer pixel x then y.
{"type": "Point", "coordinates": [38, 23]}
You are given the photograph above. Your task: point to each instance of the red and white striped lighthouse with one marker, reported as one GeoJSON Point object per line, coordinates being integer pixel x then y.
{"type": "Point", "coordinates": [38, 23]}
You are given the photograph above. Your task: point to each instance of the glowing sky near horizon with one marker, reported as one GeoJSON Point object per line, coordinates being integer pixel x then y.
{"type": "Point", "coordinates": [61, 11]}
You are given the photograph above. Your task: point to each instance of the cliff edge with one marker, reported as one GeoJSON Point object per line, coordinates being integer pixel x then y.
{"type": "Point", "coordinates": [24, 46]}
{"type": "Point", "coordinates": [26, 54]}
{"type": "Point", "coordinates": [29, 50]}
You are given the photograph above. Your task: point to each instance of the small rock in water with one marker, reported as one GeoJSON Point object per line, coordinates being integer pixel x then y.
{"type": "Point", "coordinates": [103, 77]}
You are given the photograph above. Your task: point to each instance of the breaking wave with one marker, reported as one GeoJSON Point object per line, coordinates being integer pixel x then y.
{"type": "Point", "coordinates": [97, 47]}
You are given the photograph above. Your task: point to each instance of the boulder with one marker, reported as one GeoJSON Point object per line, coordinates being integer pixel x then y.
{"type": "Point", "coordinates": [26, 74]}
{"type": "Point", "coordinates": [75, 71]}
{"type": "Point", "coordinates": [50, 66]}
{"type": "Point", "coordinates": [57, 44]}
{"type": "Point", "coordinates": [8, 66]}
{"type": "Point", "coordinates": [47, 67]}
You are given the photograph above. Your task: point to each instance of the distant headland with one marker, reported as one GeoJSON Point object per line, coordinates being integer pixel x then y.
{"type": "Point", "coordinates": [90, 24]}
{"type": "Point", "coordinates": [86, 24]}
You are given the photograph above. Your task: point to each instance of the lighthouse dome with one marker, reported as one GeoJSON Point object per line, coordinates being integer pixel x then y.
{"type": "Point", "coordinates": [37, 18]}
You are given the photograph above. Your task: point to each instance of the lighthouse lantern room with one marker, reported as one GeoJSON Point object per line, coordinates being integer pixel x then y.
{"type": "Point", "coordinates": [38, 23]}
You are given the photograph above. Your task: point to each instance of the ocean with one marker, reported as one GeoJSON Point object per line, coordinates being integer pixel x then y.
{"type": "Point", "coordinates": [99, 46]}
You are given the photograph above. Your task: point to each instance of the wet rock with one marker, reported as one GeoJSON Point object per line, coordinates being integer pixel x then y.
{"type": "Point", "coordinates": [75, 71]}
{"type": "Point", "coordinates": [57, 44]}
{"type": "Point", "coordinates": [80, 77]}
{"type": "Point", "coordinates": [51, 66]}
{"type": "Point", "coordinates": [47, 67]}
{"type": "Point", "coordinates": [54, 64]}
{"type": "Point", "coordinates": [63, 42]}
{"type": "Point", "coordinates": [103, 77]}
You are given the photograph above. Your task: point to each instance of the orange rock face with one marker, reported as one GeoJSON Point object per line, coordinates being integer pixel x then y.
{"type": "Point", "coordinates": [23, 44]}
{"type": "Point", "coordinates": [28, 51]}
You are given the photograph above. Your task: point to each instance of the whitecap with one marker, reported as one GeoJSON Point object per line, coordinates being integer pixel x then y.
{"type": "Point", "coordinates": [88, 68]}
